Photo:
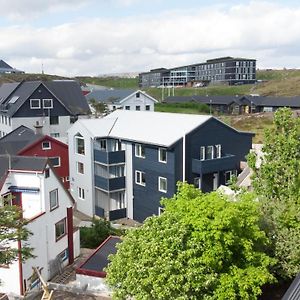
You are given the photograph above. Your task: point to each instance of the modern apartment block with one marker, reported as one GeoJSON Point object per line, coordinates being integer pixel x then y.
{"type": "Point", "coordinates": [121, 165]}
{"type": "Point", "coordinates": [219, 70]}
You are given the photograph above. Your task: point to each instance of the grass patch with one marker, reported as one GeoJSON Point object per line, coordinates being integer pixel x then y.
{"type": "Point", "coordinates": [114, 82]}
{"type": "Point", "coordinates": [185, 108]}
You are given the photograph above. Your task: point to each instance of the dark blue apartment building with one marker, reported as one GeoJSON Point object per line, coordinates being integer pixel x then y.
{"type": "Point", "coordinates": [138, 157]}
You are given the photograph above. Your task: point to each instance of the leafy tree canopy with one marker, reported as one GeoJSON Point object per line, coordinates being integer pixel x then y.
{"type": "Point", "coordinates": [12, 230]}
{"type": "Point", "coordinates": [203, 246]}
{"type": "Point", "coordinates": [277, 183]}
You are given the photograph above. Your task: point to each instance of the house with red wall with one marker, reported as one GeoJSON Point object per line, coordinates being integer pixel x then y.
{"type": "Point", "coordinates": [26, 142]}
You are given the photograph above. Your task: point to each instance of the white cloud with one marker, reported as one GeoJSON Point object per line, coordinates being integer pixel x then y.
{"type": "Point", "coordinates": [261, 30]}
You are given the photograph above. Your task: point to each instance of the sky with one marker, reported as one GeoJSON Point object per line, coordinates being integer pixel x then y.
{"type": "Point", "coordinates": [95, 37]}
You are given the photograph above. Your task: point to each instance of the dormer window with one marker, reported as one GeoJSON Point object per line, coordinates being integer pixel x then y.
{"type": "Point", "coordinates": [35, 103]}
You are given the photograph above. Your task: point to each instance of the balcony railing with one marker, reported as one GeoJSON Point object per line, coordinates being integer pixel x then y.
{"type": "Point", "coordinates": [227, 162]}
{"type": "Point", "coordinates": [110, 184]}
{"type": "Point", "coordinates": [108, 158]}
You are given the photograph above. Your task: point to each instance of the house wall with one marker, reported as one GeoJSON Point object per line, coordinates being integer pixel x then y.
{"type": "Point", "coordinates": [86, 180]}
{"type": "Point", "coordinates": [56, 150]}
{"type": "Point", "coordinates": [142, 101]}
{"type": "Point", "coordinates": [214, 132]}
{"type": "Point", "coordinates": [5, 125]}
{"type": "Point", "coordinates": [147, 198]}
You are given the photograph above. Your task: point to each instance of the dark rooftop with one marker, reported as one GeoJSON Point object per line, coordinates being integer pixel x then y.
{"type": "Point", "coordinates": [110, 96]}
{"type": "Point", "coordinates": [95, 264]}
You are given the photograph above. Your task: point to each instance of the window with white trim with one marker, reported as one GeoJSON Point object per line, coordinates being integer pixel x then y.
{"type": "Point", "coordinates": [210, 152]}
{"type": "Point", "coordinates": [63, 255]}
{"type": "Point", "coordinates": [103, 145]}
{"type": "Point", "coordinates": [60, 229]}
{"type": "Point", "coordinates": [55, 161]}
{"type": "Point", "coordinates": [162, 184]}
{"type": "Point", "coordinates": [47, 103]}
{"type": "Point", "coordinates": [218, 151]}
{"type": "Point", "coordinates": [55, 134]}
{"type": "Point", "coordinates": [229, 175]}
{"type": "Point", "coordinates": [202, 153]}
{"type": "Point", "coordinates": [53, 197]}
{"type": "Point", "coordinates": [80, 167]}
{"type": "Point", "coordinates": [139, 150]}
{"type": "Point", "coordinates": [81, 193]}
{"type": "Point", "coordinates": [140, 178]}
{"type": "Point", "coordinates": [35, 103]}
{"type": "Point", "coordinates": [79, 145]}
{"type": "Point", "coordinates": [46, 145]}
{"type": "Point", "coordinates": [162, 155]}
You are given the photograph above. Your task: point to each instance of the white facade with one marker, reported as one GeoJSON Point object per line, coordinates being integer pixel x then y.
{"type": "Point", "coordinates": [81, 185]}
{"type": "Point", "coordinates": [138, 100]}
{"type": "Point", "coordinates": [42, 224]}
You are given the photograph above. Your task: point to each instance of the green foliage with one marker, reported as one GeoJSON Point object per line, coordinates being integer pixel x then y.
{"type": "Point", "coordinates": [92, 237]}
{"type": "Point", "coordinates": [203, 246]}
{"type": "Point", "coordinates": [114, 82]}
{"type": "Point", "coordinates": [188, 107]}
{"type": "Point", "coordinates": [13, 229]}
{"type": "Point", "coordinates": [277, 182]}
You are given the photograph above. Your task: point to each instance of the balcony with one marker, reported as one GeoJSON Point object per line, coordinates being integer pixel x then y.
{"type": "Point", "coordinates": [110, 184]}
{"type": "Point", "coordinates": [108, 158]}
{"type": "Point", "coordinates": [227, 162]}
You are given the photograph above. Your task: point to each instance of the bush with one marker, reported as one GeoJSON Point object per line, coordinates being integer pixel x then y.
{"type": "Point", "coordinates": [92, 237]}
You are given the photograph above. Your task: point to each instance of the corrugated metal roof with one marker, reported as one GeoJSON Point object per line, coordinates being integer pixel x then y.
{"type": "Point", "coordinates": [144, 126]}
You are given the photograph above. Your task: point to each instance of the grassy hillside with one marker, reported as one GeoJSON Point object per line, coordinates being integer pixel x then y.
{"type": "Point", "coordinates": [114, 82]}
{"type": "Point", "coordinates": [28, 77]}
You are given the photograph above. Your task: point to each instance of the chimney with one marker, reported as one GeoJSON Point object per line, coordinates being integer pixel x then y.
{"type": "Point", "coordinates": [38, 128]}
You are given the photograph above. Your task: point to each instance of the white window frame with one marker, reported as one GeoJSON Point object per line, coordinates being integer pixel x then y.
{"type": "Point", "coordinates": [48, 107]}
{"type": "Point", "coordinates": [52, 207]}
{"type": "Point", "coordinates": [76, 145]}
{"type": "Point", "coordinates": [202, 153]}
{"type": "Point", "coordinates": [160, 185]}
{"type": "Point", "coordinates": [77, 167]}
{"type": "Point", "coordinates": [212, 152]}
{"type": "Point", "coordinates": [160, 150]}
{"type": "Point", "coordinates": [231, 174]}
{"type": "Point", "coordinates": [35, 107]}
{"type": "Point", "coordinates": [218, 151]}
{"type": "Point", "coordinates": [100, 144]}
{"type": "Point", "coordinates": [81, 193]}
{"type": "Point", "coordinates": [160, 210]}
{"type": "Point", "coordinates": [55, 134]}
{"type": "Point", "coordinates": [138, 150]}
{"type": "Point", "coordinates": [46, 148]}
{"type": "Point", "coordinates": [59, 162]}
{"type": "Point", "coordinates": [140, 176]}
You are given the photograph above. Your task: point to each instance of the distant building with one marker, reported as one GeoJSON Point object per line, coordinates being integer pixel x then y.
{"type": "Point", "coordinates": [128, 160]}
{"type": "Point", "coordinates": [123, 99]}
{"type": "Point", "coordinates": [7, 69]}
{"type": "Point", "coordinates": [54, 105]}
{"type": "Point", "coordinates": [224, 70]}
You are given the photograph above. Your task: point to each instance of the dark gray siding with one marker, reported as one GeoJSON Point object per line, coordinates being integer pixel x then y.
{"type": "Point", "coordinates": [214, 132]}
{"type": "Point", "coordinates": [147, 198]}
{"type": "Point", "coordinates": [41, 93]}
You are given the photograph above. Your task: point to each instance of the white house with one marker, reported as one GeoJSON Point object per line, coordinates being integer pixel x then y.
{"type": "Point", "coordinates": [123, 99]}
{"type": "Point", "coordinates": [48, 207]}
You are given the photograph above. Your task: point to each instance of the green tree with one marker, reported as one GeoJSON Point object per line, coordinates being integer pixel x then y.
{"type": "Point", "coordinates": [99, 107]}
{"type": "Point", "coordinates": [277, 184]}
{"type": "Point", "coordinates": [13, 229]}
{"type": "Point", "coordinates": [203, 246]}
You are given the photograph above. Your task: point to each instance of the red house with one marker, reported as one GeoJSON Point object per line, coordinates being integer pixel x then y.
{"type": "Point", "coordinates": [56, 151]}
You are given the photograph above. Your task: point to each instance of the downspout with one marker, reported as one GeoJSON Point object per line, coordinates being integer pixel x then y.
{"type": "Point", "coordinates": [20, 256]}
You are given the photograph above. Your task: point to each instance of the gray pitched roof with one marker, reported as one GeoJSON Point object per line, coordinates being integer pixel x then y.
{"type": "Point", "coordinates": [67, 92]}
{"type": "Point", "coordinates": [203, 99]}
{"type": "Point", "coordinates": [24, 163]}
{"type": "Point", "coordinates": [110, 96]}
{"type": "Point", "coordinates": [293, 292]}
{"type": "Point", "coordinates": [4, 65]}
{"type": "Point", "coordinates": [17, 139]}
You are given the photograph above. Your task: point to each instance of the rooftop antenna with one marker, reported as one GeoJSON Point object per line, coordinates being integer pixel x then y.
{"type": "Point", "coordinates": [9, 160]}
{"type": "Point", "coordinates": [42, 68]}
